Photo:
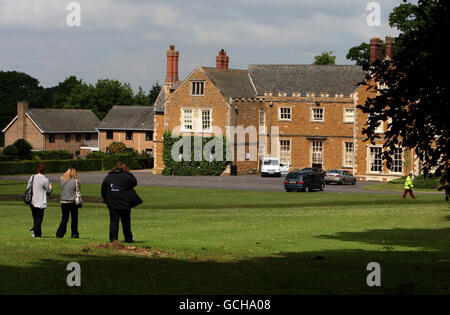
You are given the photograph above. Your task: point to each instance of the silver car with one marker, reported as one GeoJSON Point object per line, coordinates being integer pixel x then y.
{"type": "Point", "coordinates": [340, 177]}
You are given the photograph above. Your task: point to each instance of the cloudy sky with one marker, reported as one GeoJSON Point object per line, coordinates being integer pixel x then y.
{"type": "Point", "coordinates": [127, 40]}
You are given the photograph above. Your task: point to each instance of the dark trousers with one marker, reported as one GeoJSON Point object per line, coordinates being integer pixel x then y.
{"type": "Point", "coordinates": [410, 192]}
{"type": "Point", "coordinates": [68, 209]}
{"type": "Point", "coordinates": [38, 217]}
{"type": "Point", "coordinates": [123, 215]}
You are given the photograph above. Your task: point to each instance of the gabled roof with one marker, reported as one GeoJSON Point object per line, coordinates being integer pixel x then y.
{"type": "Point", "coordinates": [331, 79]}
{"type": "Point", "coordinates": [63, 120]}
{"type": "Point", "coordinates": [128, 118]}
{"type": "Point", "coordinates": [231, 82]}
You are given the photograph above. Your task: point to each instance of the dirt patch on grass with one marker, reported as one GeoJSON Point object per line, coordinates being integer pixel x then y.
{"type": "Point", "coordinates": [124, 249]}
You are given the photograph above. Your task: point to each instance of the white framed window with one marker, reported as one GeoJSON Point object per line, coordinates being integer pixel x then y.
{"type": "Point", "coordinates": [349, 115]}
{"type": "Point", "coordinates": [397, 161]}
{"type": "Point", "coordinates": [375, 160]}
{"type": "Point", "coordinates": [206, 119]}
{"type": "Point", "coordinates": [284, 113]}
{"type": "Point", "coordinates": [285, 152]}
{"type": "Point", "coordinates": [317, 114]}
{"type": "Point", "coordinates": [197, 88]}
{"type": "Point", "coordinates": [349, 153]}
{"type": "Point", "coordinates": [262, 121]}
{"type": "Point", "coordinates": [317, 153]}
{"type": "Point", "coordinates": [188, 119]}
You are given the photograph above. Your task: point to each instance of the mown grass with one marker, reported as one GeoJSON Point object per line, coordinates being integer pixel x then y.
{"type": "Point", "coordinates": [234, 242]}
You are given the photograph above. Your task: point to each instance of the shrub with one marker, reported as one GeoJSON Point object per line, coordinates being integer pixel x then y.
{"type": "Point", "coordinates": [430, 182]}
{"type": "Point", "coordinates": [23, 148]}
{"type": "Point", "coordinates": [117, 148]}
{"type": "Point", "coordinates": [52, 155]}
{"type": "Point", "coordinates": [11, 150]}
{"type": "Point", "coordinates": [97, 155]}
{"type": "Point", "coordinates": [194, 165]}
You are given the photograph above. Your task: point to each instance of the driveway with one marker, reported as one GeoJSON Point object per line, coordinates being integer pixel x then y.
{"type": "Point", "coordinates": [241, 182]}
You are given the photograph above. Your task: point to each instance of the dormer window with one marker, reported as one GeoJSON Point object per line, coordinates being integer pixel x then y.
{"type": "Point", "coordinates": [197, 88]}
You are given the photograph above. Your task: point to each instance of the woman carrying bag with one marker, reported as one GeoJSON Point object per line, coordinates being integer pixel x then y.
{"type": "Point", "coordinates": [70, 202]}
{"type": "Point", "coordinates": [38, 188]}
{"type": "Point", "coordinates": [119, 195]}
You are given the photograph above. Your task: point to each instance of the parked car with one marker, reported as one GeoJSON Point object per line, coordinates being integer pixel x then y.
{"type": "Point", "coordinates": [303, 181]}
{"type": "Point", "coordinates": [314, 169]}
{"type": "Point", "coordinates": [340, 177]}
{"type": "Point", "coordinates": [271, 167]}
{"type": "Point", "coordinates": [284, 168]}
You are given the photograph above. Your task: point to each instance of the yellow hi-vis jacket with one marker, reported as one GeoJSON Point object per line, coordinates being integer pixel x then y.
{"type": "Point", "coordinates": [408, 183]}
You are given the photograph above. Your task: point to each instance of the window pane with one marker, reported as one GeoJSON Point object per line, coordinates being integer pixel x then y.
{"type": "Point", "coordinates": [285, 152]}
{"type": "Point", "coordinates": [348, 154]}
{"type": "Point", "coordinates": [376, 164]}
{"type": "Point", "coordinates": [206, 119]}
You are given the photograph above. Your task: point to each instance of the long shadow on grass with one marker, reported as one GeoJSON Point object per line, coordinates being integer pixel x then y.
{"type": "Point", "coordinates": [320, 272]}
{"type": "Point", "coordinates": [429, 239]}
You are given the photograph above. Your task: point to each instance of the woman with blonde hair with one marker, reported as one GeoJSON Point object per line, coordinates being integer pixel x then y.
{"type": "Point", "coordinates": [70, 188]}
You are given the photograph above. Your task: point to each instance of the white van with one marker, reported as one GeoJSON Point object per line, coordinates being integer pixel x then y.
{"type": "Point", "coordinates": [271, 167]}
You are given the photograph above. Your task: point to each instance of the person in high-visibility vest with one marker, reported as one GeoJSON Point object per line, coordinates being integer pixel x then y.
{"type": "Point", "coordinates": [409, 186]}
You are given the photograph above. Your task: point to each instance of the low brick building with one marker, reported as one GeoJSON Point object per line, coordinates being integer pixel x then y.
{"type": "Point", "coordinates": [131, 125]}
{"type": "Point", "coordinates": [45, 129]}
{"type": "Point", "coordinates": [304, 114]}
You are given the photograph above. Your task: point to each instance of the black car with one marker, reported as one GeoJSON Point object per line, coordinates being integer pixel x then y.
{"type": "Point", "coordinates": [303, 181]}
{"type": "Point", "coordinates": [314, 169]}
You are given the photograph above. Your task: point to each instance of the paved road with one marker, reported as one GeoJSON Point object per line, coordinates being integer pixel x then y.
{"type": "Point", "coordinates": [242, 182]}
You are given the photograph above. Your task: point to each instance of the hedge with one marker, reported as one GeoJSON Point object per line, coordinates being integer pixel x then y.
{"type": "Point", "coordinates": [60, 166]}
{"type": "Point", "coordinates": [133, 162]}
{"type": "Point", "coordinates": [53, 166]}
{"type": "Point", "coordinates": [192, 168]}
{"type": "Point", "coordinates": [52, 155]}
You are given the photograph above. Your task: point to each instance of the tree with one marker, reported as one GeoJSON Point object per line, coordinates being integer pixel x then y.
{"type": "Point", "coordinates": [101, 97]}
{"type": "Point", "coordinates": [325, 59]}
{"type": "Point", "coordinates": [61, 92]}
{"type": "Point", "coordinates": [23, 149]}
{"type": "Point", "coordinates": [140, 98]}
{"type": "Point", "coordinates": [154, 92]}
{"type": "Point", "coordinates": [416, 97]}
{"type": "Point", "coordinates": [117, 148]}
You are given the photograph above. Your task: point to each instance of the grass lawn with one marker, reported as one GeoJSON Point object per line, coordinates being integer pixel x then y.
{"type": "Point", "coordinates": [395, 187]}
{"type": "Point", "coordinates": [198, 241]}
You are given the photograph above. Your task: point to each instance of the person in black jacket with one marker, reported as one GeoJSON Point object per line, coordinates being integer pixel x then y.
{"type": "Point", "coordinates": [116, 188]}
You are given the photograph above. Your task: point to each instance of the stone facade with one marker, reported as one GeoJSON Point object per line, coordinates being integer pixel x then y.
{"type": "Point", "coordinates": [315, 129]}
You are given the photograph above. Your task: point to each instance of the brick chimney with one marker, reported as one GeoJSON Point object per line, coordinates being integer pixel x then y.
{"type": "Point", "coordinates": [222, 60]}
{"type": "Point", "coordinates": [376, 49]}
{"type": "Point", "coordinates": [172, 66]}
{"type": "Point", "coordinates": [22, 109]}
{"type": "Point", "coordinates": [390, 45]}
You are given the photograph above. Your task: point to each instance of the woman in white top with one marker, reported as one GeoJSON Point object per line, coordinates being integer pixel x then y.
{"type": "Point", "coordinates": [41, 189]}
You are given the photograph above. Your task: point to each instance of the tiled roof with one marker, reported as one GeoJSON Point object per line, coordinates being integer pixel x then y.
{"type": "Point", "coordinates": [231, 83]}
{"type": "Point", "coordinates": [331, 79]}
{"type": "Point", "coordinates": [64, 120]}
{"type": "Point", "coordinates": [129, 117]}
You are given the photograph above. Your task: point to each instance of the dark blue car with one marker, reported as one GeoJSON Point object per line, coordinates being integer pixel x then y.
{"type": "Point", "coordinates": [303, 181]}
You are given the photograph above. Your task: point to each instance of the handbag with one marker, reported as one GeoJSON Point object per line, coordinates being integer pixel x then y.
{"type": "Point", "coordinates": [134, 198]}
{"type": "Point", "coordinates": [78, 199]}
{"type": "Point", "coordinates": [28, 195]}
